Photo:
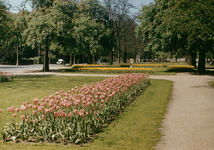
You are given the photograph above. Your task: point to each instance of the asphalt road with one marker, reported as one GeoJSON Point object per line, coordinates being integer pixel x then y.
{"type": "Point", "coordinates": [25, 68]}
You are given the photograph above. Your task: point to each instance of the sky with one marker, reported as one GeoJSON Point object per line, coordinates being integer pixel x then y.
{"type": "Point", "coordinates": [136, 3]}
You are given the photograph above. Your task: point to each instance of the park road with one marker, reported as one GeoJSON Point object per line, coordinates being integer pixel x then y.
{"type": "Point", "coordinates": [189, 122]}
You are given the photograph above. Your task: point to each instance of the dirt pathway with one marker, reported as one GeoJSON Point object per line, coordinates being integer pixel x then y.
{"type": "Point", "coordinates": [189, 123]}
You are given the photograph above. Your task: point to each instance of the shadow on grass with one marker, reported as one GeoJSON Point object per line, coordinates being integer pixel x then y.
{"type": "Point", "coordinates": [206, 72]}
{"type": "Point", "coordinates": [66, 70]}
{"type": "Point", "coordinates": [179, 70]}
{"type": "Point", "coordinates": [193, 72]}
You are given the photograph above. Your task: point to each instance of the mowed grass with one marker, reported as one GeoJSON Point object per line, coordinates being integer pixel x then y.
{"type": "Point", "coordinates": [136, 127]}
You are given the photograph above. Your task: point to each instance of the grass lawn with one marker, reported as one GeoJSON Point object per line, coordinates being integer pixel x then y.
{"type": "Point", "coordinates": [136, 127]}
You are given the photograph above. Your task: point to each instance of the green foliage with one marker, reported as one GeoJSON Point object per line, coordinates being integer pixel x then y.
{"type": "Point", "coordinates": [181, 27]}
{"type": "Point", "coordinates": [3, 21]}
{"type": "Point", "coordinates": [5, 77]}
{"type": "Point", "coordinates": [125, 65]}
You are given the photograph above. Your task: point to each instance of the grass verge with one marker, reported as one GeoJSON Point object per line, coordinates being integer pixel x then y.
{"type": "Point", "coordinates": [137, 127]}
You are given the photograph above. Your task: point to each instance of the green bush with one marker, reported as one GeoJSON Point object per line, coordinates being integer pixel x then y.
{"type": "Point", "coordinates": [4, 78]}
{"type": "Point", "coordinates": [125, 65]}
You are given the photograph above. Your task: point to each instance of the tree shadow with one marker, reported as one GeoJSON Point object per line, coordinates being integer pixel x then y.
{"type": "Point", "coordinates": [206, 72]}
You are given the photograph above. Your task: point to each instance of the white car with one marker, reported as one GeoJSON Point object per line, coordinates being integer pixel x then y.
{"type": "Point", "coordinates": [60, 62]}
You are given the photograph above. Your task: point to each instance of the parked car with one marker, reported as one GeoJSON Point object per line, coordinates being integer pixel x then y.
{"type": "Point", "coordinates": [60, 62]}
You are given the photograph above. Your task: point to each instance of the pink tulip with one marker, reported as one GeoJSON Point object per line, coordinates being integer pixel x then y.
{"type": "Point", "coordinates": [30, 106]}
{"type": "Point", "coordinates": [82, 110]}
{"type": "Point", "coordinates": [8, 109]}
{"type": "Point", "coordinates": [22, 116]}
{"type": "Point", "coordinates": [17, 109]}
{"type": "Point", "coordinates": [12, 110]}
{"type": "Point", "coordinates": [34, 112]}
{"type": "Point", "coordinates": [81, 114]}
{"type": "Point", "coordinates": [47, 110]}
{"type": "Point", "coordinates": [26, 120]}
{"type": "Point", "coordinates": [70, 114]}
{"type": "Point", "coordinates": [87, 113]}
{"type": "Point", "coordinates": [35, 107]}
{"type": "Point", "coordinates": [43, 116]}
{"type": "Point", "coordinates": [40, 109]}
{"type": "Point", "coordinates": [28, 117]}
{"type": "Point", "coordinates": [56, 113]}
{"type": "Point", "coordinates": [14, 115]}
{"type": "Point", "coordinates": [35, 120]}
{"type": "Point", "coordinates": [0, 110]}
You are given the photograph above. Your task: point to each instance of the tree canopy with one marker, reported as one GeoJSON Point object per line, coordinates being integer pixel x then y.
{"type": "Point", "coordinates": [182, 27]}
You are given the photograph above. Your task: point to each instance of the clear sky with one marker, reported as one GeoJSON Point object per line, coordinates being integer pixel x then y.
{"type": "Point", "coordinates": [137, 4]}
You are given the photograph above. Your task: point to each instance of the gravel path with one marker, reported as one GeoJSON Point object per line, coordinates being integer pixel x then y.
{"type": "Point", "coordinates": [189, 123]}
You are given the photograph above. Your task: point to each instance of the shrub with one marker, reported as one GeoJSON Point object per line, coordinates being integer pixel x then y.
{"type": "Point", "coordinates": [6, 76]}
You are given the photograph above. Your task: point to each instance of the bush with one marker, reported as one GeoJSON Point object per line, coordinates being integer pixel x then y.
{"type": "Point", "coordinates": [6, 76]}
{"type": "Point", "coordinates": [125, 65]}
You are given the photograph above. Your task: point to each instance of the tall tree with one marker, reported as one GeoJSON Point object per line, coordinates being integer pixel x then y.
{"type": "Point", "coordinates": [4, 22]}
{"type": "Point", "coordinates": [195, 18]}
{"type": "Point", "coordinates": [92, 29]}
{"type": "Point", "coordinates": [118, 11]}
{"type": "Point", "coordinates": [50, 26]}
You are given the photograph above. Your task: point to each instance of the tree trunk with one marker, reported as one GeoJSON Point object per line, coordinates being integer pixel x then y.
{"type": "Point", "coordinates": [201, 63]}
{"type": "Point", "coordinates": [193, 58]}
{"type": "Point", "coordinates": [135, 55]}
{"type": "Point", "coordinates": [118, 53]}
{"type": "Point", "coordinates": [125, 55]}
{"type": "Point", "coordinates": [63, 60]}
{"type": "Point", "coordinates": [93, 60]}
{"type": "Point", "coordinates": [89, 58]}
{"type": "Point", "coordinates": [17, 56]}
{"type": "Point", "coordinates": [125, 51]}
{"type": "Point", "coordinates": [71, 62]}
{"type": "Point", "coordinates": [176, 58]}
{"type": "Point", "coordinates": [46, 61]}
{"type": "Point", "coordinates": [111, 57]}
{"type": "Point", "coordinates": [74, 59]}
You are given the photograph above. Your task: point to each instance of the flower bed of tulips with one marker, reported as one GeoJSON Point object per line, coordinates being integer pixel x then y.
{"type": "Point", "coordinates": [183, 67]}
{"type": "Point", "coordinates": [149, 65]}
{"type": "Point", "coordinates": [118, 70]}
{"type": "Point", "coordinates": [6, 76]}
{"type": "Point", "coordinates": [88, 65]}
{"type": "Point", "coordinates": [71, 116]}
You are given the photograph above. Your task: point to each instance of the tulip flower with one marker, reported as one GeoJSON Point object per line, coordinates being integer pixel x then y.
{"type": "Point", "coordinates": [22, 116]}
